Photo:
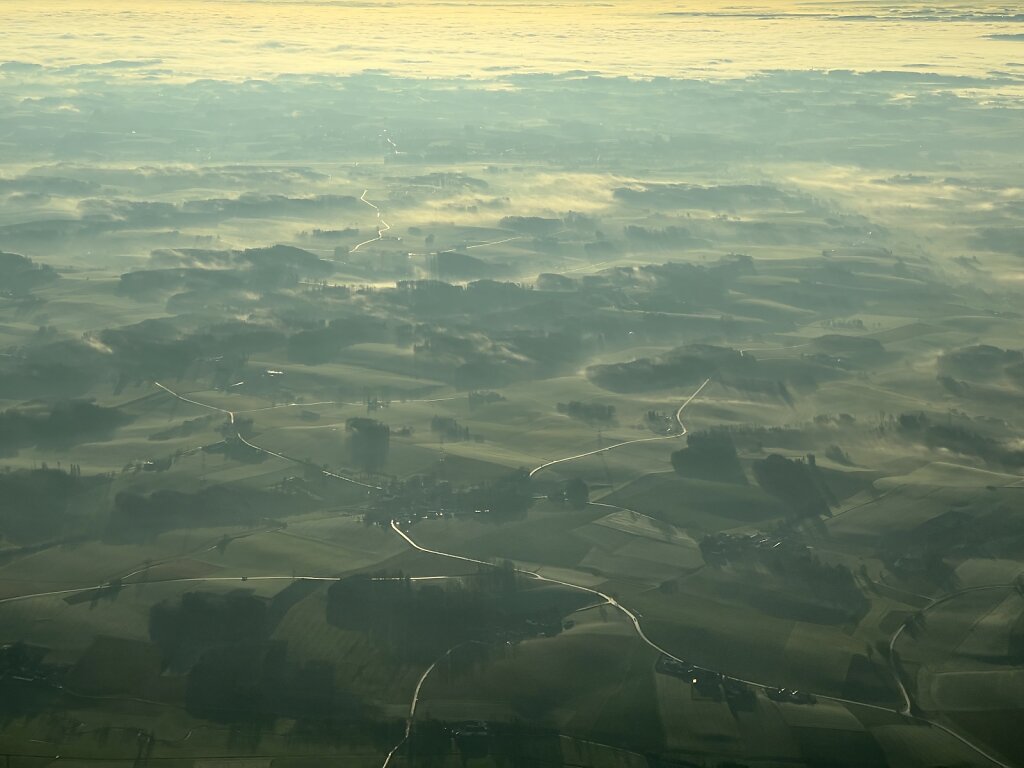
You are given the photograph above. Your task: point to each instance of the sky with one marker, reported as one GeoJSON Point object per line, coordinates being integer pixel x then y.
{"type": "Point", "coordinates": [239, 39]}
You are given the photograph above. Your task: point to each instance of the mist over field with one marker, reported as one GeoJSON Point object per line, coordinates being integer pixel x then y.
{"type": "Point", "coordinates": [511, 383]}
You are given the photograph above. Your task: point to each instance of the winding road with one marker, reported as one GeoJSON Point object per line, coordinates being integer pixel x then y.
{"type": "Point", "coordinates": [897, 672]}
{"type": "Point", "coordinates": [638, 628]}
{"type": "Point", "coordinates": [634, 619]}
{"type": "Point", "coordinates": [676, 436]}
{"type": "Point", "coordinates": [602, 597]}
{"type": "Point", "coordinates": [605, 598]}
{"type": "Point", "coordinates": [382, 226]}
{"type": "Point", "coordinates": [261, 449]}
{"type": "Point", "coordinates": [411, 718]}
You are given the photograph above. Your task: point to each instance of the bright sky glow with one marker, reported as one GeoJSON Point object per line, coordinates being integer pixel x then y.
{"type": "Point", "coordinates": [260, 38]}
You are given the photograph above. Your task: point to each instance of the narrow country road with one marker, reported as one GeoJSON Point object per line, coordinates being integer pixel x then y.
{"type": "Point", "coordinates": [231, 418]}
{"type": "Point", "coordinates": [633, 618]}
{"type": "Point", "coordinates": [676, 436]}
{"type": "Point", "coordinates": [411, 717]}
{"type": "Point", "coordinates": [230, 414]}
{"type": "Point", "coordinates": [638, 628]}
{"type": "Point", "coordinates": [382, 226]}
{"type": "Point", "coordinates": [897, 672]}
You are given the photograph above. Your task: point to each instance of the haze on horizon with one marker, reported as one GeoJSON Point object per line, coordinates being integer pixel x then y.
{"type": "Point", "coordinates": [238, 39]}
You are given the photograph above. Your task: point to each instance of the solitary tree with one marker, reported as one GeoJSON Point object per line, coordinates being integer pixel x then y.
{"type": "Point", "coordinates": [577, 493]}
